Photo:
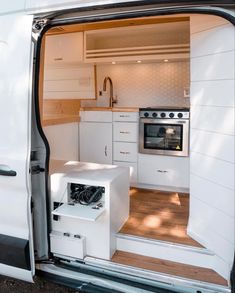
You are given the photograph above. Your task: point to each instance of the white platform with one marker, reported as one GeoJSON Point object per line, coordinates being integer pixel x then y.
{"type": "Point", "coordinates": [97, 226]}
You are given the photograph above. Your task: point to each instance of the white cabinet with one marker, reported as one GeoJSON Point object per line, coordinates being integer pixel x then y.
{"type": "Point", "coordinates": [125, 151]}
{"type": "Point", "coordinates": [123, 131]}
{"type": "Point", "coordinates": [96, 142]}
{"type": "Point", "coordinates": [125, 116]}
{"type": "Point", "coordinates": [96, 137]}
{"type": "Point", "coordinates": [64, 49]}
{"type": "Point", "coordinates": [125, 138]}
{"type": "Point", "coordinates": [163, 170]}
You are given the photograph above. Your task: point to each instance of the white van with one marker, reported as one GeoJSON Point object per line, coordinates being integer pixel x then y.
{"type": "Point", "coordinates": [46, 226]}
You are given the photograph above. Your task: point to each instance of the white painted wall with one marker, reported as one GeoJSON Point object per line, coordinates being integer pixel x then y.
{"type": "Point", "coordinates": [13, 6]}
{"type": "Point", "coordinates": [63, 141]}
{"type": "Point", "coordinates": [212, 138]}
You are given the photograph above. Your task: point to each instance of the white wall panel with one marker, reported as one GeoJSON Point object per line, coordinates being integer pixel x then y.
{"type": "Point", "coordinates": [63, 141]}
{"type": "Point", "coordinates": [214, 225]}
{"type": "Point", "coordinates": [209, 41]}
{"type": "Point", "coordinates": [69, 82]}
{"type": "Point", "coordinates": [212, 169]}
{"type": "Point", "coordinates": [215, 145]}
{"type": "Point", "coordinates": [200, 23]}
{"type": "Point", "coordinates": [213, 67]}
{"type": "Point", "coordinates": [213, 93]}
{"type": "Point", "coordinates": [215, 119]}
{"type": "Point", "coordinates": [211, 220]}
{"type": "Point", "coordinates": [213, 195]}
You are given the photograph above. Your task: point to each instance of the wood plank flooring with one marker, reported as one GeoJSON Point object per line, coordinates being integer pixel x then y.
{"type": "Point", "coordinates": [168, 267]}
{"type": "Point", "coordinates": [159, 215]}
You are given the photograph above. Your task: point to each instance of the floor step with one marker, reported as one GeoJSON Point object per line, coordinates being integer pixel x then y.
{"type": "Point", "coordinates": [190, 255]}
{"type": "Point", "coordinates": [169, 275]}
{"type": "Point", "coordinates": [169, 267]}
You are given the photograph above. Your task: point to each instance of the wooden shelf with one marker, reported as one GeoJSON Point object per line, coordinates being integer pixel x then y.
{"type": "Point", "coordinates": [146, 42]}
{"type": "Point", "coordinates": [78, 211]}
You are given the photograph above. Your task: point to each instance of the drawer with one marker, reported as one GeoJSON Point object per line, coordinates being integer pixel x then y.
{"type": "Point", "coordinates": [96, 116]}
{"type": "Point", "coordinates": [67, 245]}
{"type": "Point", "coordinates": [163, 170]}
{"type": "Point", "coordinates": [123, 131]}
{"type": "Point", "coordinates": [133, 169]}
{"type": "Point", "coordinates": [126, 116]}
{"type": "Point", "coordinates": [125, 151]}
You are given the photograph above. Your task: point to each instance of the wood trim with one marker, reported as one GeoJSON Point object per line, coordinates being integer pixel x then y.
{"type": "Point", "coordinates": [116, 23]}
{"type": "Point", "coordinates": [60, 111]}
{"type": "Point", "coordinates": [168, 267]}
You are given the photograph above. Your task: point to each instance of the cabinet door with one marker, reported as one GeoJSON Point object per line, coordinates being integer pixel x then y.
{"type": "Point", "coordinates": [96, 142]}
{"type": "Point", "coordinates": [163, 170]}
{"type": "Point", "coordinates": [64, 49]}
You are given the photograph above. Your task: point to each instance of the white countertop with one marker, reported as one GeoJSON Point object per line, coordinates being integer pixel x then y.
{"type": "Point", "coordinates": [88, 173]}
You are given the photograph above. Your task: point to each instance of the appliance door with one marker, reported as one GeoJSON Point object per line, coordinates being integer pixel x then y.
{"type": "Point", "coordinates": [164, 136]}
{"type": "Point", "coordinates": [16, 235]}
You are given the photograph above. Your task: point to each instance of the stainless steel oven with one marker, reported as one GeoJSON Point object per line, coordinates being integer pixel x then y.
{"type": "Point", "coordinates": [164, 131]}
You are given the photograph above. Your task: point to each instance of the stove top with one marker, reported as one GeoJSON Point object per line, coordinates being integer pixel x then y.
{"type": "Point", "coordinates": [164, 113]}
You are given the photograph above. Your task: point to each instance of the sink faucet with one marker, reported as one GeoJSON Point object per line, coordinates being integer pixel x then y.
{"type": "Point", "coordinates": [111, 98]}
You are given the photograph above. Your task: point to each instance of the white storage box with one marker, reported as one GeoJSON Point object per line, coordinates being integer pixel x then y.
{"type": "Point", "coordinates": [70, 245]}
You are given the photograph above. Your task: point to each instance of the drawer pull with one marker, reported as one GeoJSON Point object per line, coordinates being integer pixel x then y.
{"type": "Point", "coordinates": [124, 153]}
{"type": "Point", "coordinates": [58, 59]}
{"type": "Point", "coordinates": [124, 132]}
{"type": "Point", "coordinates": [162, 171]}
{"type": "Point", "coordinates": [124, 116]}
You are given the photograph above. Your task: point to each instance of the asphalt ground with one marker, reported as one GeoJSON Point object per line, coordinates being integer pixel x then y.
{"type": "Point", "coordinates": [9, 285]}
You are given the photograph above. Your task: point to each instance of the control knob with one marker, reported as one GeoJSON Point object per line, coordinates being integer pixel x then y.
{"type": "Point", "coordinates": [146, 114]}
{"type": "Point", "coordinates": [171, 115]}
{"type": "Point", "coordinates": [180, 115]}
{"type": "Point", "coordinates": [154, 115]}
{"type": "Point", "coordinates": [163, 115]}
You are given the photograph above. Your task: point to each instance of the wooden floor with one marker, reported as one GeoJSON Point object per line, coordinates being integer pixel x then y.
{"type": "Point", "coordinates": [159, 215]}
{"type": "Point", "coordinates": [168, 267]}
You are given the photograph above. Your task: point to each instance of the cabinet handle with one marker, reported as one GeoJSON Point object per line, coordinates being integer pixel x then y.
{"type": "Point", "coordinates": [124, 153]}
{"type": "Point", "coordinates": [124, 116]}
{"type": "Point", "coordinates": [106, 151]}
{"type": "Point", "coordinates": [58, 59]}
{"type": "Point", "coordinates": [162, 171]}
{"type": "Point", "coordinates": [124, 132]}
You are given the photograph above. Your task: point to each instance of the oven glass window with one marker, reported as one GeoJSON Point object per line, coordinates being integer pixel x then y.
{"type": "Point", "coordinates": [163, 136]}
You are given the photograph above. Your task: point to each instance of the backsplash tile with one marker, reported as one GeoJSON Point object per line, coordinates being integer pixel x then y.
{"type": "Point", "coordinates": [145, 84]}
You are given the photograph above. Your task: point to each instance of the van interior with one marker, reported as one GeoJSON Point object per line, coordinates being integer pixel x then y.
{"type": "Point", "coordinates": [124, 211]}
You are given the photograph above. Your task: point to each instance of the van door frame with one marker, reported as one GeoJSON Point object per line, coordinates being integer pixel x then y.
{"type": "Point", "coordinates": [44, 22]}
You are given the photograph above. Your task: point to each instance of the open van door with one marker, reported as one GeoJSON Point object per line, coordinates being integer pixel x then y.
{"type": "Point", "coordinates": [16, 241]}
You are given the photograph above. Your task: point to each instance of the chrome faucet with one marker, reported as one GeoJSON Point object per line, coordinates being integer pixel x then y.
{"type": "Point", "coordinates": [111, 98]}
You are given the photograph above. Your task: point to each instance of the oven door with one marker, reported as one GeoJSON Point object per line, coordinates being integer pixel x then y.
{"type": "Point", "coordinates": [164, 137]}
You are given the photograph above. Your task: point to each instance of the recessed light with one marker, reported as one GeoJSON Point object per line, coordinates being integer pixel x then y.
{"type": "Point", "coordinates": [139, 61]}
{"type": "Point", "coordinates": [113, 62]}
{"type": "Point", "coordinates": [166, 60]}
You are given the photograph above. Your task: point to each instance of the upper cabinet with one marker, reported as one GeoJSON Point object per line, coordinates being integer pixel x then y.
{"type": "Point", "coordinates": [64, 49]}
{"type": "Point", "coordinates": [65, 74]}
{"type": "Point", "coordinates": [143, 42]}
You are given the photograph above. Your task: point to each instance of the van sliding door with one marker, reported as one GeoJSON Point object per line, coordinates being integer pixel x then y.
{"type": "Point", "coordinates": [16, 246]}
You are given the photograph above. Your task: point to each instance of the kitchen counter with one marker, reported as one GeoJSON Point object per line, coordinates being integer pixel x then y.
{"type": "Point", "coordinates": [114, 109]}
{"type": "Point", "coordinates": [59, 119]}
